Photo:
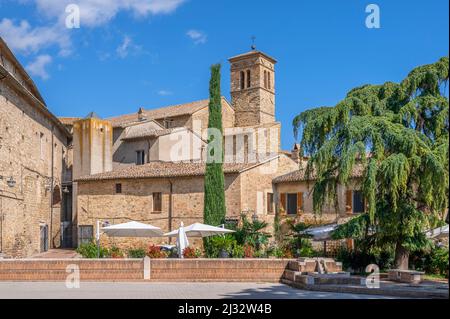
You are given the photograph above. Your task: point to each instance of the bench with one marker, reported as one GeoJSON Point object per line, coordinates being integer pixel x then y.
{"type": "Point", "coordinates": [408, 276]}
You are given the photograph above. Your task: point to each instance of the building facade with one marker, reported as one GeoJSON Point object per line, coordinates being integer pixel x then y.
{"type": "Point", "coordinates": [158, 164]}
{"type": "Point", "coordinates": [34, 165]}
{"type": "Point", "coordinates": [59, 177]}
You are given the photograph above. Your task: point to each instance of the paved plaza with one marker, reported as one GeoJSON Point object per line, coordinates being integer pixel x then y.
{"type": "Point", "coordinates": [140, 290]}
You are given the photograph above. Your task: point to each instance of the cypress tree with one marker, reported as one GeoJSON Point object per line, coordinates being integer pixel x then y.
{"type": "Point", "coordinates": [214, 201]}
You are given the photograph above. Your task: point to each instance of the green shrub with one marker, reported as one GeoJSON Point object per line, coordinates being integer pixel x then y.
{"type": "Point", "coordinates": [237, 251]}
{"type": "Point", "coordinates": [136, 253]}
{"type": "Point", "coordinates": [90, 250]}
{"type": "Point", "coordinates": [306, 251]}
{"type": "Point", "coordinates": [359, 258]}
{"type": "Point", "coordinates": [260, 254]}
{"type": "Point", "coordinates": [432, 261]}
{"type": "Point", "coordinates": [276, 251]}
{"type": "Point", "coordinates": [250, 233]}
{"type": "Point", "coordinates": [216, 244]}
{"type": "Point", "coordinates": [115, 252]}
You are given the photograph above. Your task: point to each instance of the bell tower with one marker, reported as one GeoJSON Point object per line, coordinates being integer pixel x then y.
{"type": "Point", "coordinates": [253, 88]}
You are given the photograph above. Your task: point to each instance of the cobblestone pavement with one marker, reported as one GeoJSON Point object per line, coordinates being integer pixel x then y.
{"type": "Point", "coordinates": [140, 290]}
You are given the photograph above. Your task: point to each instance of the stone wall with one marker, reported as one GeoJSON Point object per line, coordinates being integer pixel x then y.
{"type": "Point", "coordinates": [28, 140]}
{"type": "Point", "coordinates": [329, 212]}
{"type": "Point", "coordinates": [253, 105]}
{"type": "Point", "coordinates": [97, 200]}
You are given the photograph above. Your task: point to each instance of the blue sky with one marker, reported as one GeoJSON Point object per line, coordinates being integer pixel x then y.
{"type": "Point", "coordinates": [152, 53]}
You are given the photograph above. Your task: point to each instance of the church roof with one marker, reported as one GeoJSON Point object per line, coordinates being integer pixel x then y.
{"type": "Point", "coordinates": [92, 115]}
{"type": "Point", "coordinates": [143, 132]}
{"type": "Point", "coordinates": [166, 169]}
{"type": "Point", "coordinates": [161, 113]}
{"type": "Point", "coordinates": [251, 53]}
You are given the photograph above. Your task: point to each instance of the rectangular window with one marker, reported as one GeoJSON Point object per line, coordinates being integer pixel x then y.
{"type": "Point", "coordinates": [358, 202]}
{"type": "Point", "coordinates": [42, 146]}
{"type": "Point", "coordinates": [292, 204]}
{"type": "Point", "coordinates": [118, 188]}
{"type": "Point", "coordinates": [157, 203]}
{"type": "Point", "coordinates": [85, 234]}
{"type": "Point", "coordinates": [168, 123]}
{"type": "Point", "coordinates": [269, 203]}
{"type": "Point", "coordinates": [140, 157]}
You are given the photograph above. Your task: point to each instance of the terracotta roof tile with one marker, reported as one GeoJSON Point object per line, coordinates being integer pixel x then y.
{"type": "Point", "coordinates": [162, 170]}
{"type": "Point", "coordinates": [161, 113]}
{"type": "Point", "coordinates": [300, 176]}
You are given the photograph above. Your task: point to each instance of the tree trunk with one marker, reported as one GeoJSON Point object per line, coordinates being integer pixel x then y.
{"type": "Point", "coordinates": [401, 257]}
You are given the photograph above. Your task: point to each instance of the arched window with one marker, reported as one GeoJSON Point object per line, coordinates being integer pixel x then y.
{"type": "Point", "coordinates": [249, 79]}
{"type": "Point", "coordinates": [242, 80]}
{"type": "Point", "coordinates": [269, 81]}
{"type": "Point", "coordinates": [265, 79]}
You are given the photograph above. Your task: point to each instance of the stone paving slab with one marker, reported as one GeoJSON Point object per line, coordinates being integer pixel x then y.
{"type": "Point", "coordinates": [427, 289]}
{"type": "Point", "coordinates": [140, 290]}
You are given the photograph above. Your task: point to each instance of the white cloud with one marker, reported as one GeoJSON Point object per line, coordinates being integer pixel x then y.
{"type": "Point", "coordinates": [98, 12]}
{"type": "Point", "coordinates": [127, 47]}
{"type": "Point", "coordinates": [23, 38]}
{"type": "Point", "coordinates": [197, 36]}
{"type": "Point", "coordinates": [164, 92]}
{"type": "Point", "coordinates": [26, 39]}
{"type": "Point", "coordinates": [38, 66]}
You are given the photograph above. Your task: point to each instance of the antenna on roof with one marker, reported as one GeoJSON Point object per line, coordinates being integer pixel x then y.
{"type": "Point", "coordinates": [253, 43]}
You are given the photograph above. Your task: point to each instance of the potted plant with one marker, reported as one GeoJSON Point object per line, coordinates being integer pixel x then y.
{"type": "Point", "coordinates": [222, 245]}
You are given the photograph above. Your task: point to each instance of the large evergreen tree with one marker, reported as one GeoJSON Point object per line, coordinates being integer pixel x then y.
{"type": "Point", "coordinates": [214, 202]}
{"type": "Point", "coordinates": [399, 134]}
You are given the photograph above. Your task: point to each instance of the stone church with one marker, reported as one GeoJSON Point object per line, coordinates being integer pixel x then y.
{"type": "Point", "coordinates": [149, 166]}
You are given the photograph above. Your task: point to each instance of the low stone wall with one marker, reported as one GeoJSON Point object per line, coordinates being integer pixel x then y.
{"type": "Point", "coordinates": [250, 270]}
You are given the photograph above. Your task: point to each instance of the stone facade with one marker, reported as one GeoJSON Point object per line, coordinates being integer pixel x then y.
{"type": "Point", "coordinates": [253, 88]}
{"type": "Point", "coordinates": [182, 200]}
{"type": "Point", "coordinates": [33, 152]}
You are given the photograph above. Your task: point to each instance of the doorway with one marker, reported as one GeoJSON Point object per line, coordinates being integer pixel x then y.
{"type": "Point", "coordinates": [44, 238]}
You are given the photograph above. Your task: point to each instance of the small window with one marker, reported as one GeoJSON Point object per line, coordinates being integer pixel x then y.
{"type": "Point", "coordinates": [42, 146]}
{"type": "Point", "coordinates": [157, 203]}
{"type": "Point", "coordinates": [242, 80]}
{"type": "Point", "coordinates": [265, 79]}
{"type": "Point", "coordinates": [292, 204]}
{"type": "Point", "coordinates": [119, 188]}
{"type": "Point", "coordinates": [270, 203]}
{"type": "Point", "coordinates": [269, 82]}
{"type": "Point", "coordinates": [358, 202]}
{"type": "Point", "coordinates": [168, 123]}
{"type": "Point", "coordinates": [140, 157]}
{"type": "Point", "coordinates": [249, 78]}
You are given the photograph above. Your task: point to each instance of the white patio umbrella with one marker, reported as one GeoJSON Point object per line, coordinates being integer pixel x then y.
{"type": "Point", "coordinates": [182, 241]}
{"type": "Point", "coordinates": [132, 229]}
{"type": "Point", "coordinates": [320, 233]}
{"type": "Point", "coordinates": [438, 233]}
{"type": "Point", "coordinates": [201, 230]}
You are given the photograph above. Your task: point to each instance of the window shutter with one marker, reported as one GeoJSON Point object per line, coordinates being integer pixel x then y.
{"type": "Point", "coordinates": [348, 201]}
{"type": "Point", "coordinates": [283, 201]}
{"type": "Point", "coordinates": [299, 202]}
